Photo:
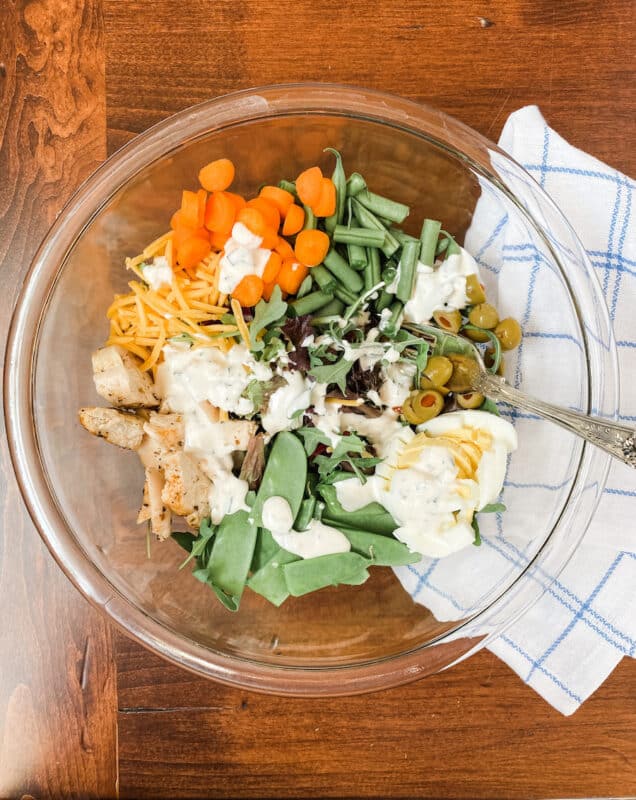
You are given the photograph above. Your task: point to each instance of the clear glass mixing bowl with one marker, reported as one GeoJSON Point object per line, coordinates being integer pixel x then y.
{"type": "Point", "coordinates": [83, 495]}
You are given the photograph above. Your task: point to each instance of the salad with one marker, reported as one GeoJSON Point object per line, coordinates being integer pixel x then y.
{"type": "Point", "coordinates": [266, 369]}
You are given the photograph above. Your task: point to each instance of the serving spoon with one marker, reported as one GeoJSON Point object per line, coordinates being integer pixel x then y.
{"type": "Point", "coordinates": [470, 374]}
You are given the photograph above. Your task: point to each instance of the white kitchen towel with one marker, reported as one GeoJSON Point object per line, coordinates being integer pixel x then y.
{"type": "Point", "coordinates": [572, 638]}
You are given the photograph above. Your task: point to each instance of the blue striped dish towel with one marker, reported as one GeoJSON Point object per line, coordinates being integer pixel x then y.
{"type": "Point", "coordinates": [567, 644]}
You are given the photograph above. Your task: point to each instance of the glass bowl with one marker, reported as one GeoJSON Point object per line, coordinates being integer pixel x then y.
{"type": "Point", "coordinates": [83, 495]}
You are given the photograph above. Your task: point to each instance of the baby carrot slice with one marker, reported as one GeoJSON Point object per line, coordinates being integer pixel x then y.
{"type": "Point", "coordinates": [281, 198]}
{"type": "Point", "coordinates": [239, 202]}
{"type": "Point", "coordinates": [309, 185]}
{"type": "Point", "coordinates": [272, 268]}
{"type": "Point", "coordinates": [268, 288]}
{"type": "Point", "coordinates": [291, 275]}
{"type": "Point", "coordinates": [326, 205]}
{"type": "Point", "coordinates": [176, 221]}
{"type": "Point", "coordinates": [181, 234]}
{"type": "Point", "coordinates": [270, 239]}
{"type": "Point", "coordinates": [218, 240]}
{"type": "Point", "coordinates": [249, 291]}
{"type": "Point", "coordinates": [311, 247]}
{"type": "Point", "coordinates": [294, 220]}
{"type": "Point", "coordinates": [253, 220]}
{"type": "Point", "coordinates": [284, 248]}
{"type": "Point", "coordinates": [192, 251]}
{"type": "Point", "coordinates": [217, 175]}
{"type": "Point", "coordinates": [190, 213]}
{"type": "Point", "coordinates": [270, 213]}
{"type": "Point", "coordinates": [220, 213]}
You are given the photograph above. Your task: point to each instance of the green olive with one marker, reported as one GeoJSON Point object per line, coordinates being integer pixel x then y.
{"type": "Point", "coordinates": [484, 316]}
{"type": "Point", "coordinates": [474, 290]}
{"type": "Point", "coordinates": [508, 331]}
{"type": "Point", "coordinates": [465, 371]}
{"type": "Point", "coordinates": [448, 320]}
{"type": "Point", "coordinates": [408, 413]}
{"type": "Point", "coordinates": [489, 360]}
{"type": "Point", "coordinates": [426, 404]}
{"type": "Point", "coordinates": [438, 370]}
{"type": "Point", "coordinates": [470, 400]}
{"type": "Point", "coordinates": [476, 336]}
{"type": "Point", "coordinates": [425, 383]}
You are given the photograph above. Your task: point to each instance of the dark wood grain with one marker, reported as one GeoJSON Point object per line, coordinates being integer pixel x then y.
{"type": "Point", "coordinates": [573, 57]}
{"type": "Point", "coordinates": [57, 680]}
{"type": "Point", "coordinates": [472, 732]}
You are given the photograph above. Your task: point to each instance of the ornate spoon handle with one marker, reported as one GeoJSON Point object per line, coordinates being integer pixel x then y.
{"type": "Point", "coordinates": [617, 440]}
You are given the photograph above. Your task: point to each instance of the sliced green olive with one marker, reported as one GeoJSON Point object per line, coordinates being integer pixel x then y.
{"type": "Point", "coordinates": [448, 320]}
{"type": "Point", "coordinates": [470, 400]}
{"type": "Point", "coordinates": [489, 360]}
{"type": "Point", "coordinates": [484, 316]}
{"type": "Point", "coordinates": [425, 383]}
{"type": "Point", "coordinates": [508, 331]}
{"type": "Point", "coordinates": [465, 371]}
{"type": "Point", "coordinates": [475, 335]}
{"type": "Point", "coordinates": [438, 370]}
{"type": "Point", "coordinates": [408, 413]}
{"type": "Point", "coordinates": [474, 290]}
{"type": "Point", "coordinates": [426, 404]}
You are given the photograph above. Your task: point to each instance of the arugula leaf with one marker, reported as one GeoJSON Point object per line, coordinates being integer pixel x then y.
{"type": "Point", "coordinates": [413, 349]}
{"type": "Point", "coordinates": [318, 355]}
{"type": "Point", "coordinates": [312, 437]}
{"type": "Point", "coordinates": [475, 526]}
{"type": "Point", "coordinates": [272, 348]}
{"type": "Point", "coordinates": [333, 373]}
{"type": "Point", "coordinates": [255, 391]}
{"type": "Point", "coordinates": [199, 543]}
{"type": "Point", "coordinates": [492, 508]}
{"type": "Point", "coordinates": [266, 314]}
{"type": "Point", "coordinates": [489, 406]}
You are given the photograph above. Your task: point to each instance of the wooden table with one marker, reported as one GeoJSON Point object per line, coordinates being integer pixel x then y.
{"type": "Point", "coordinates": [83, 711]}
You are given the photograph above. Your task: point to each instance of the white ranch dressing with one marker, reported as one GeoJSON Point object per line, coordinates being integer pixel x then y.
{"type": "Point", "coordinates": [158, 273]}
{"type": "Point", "coordinates": [285, 406]}
{"type": "Point", "coordinates": [317, 540]}
{"type": "Point", "coordinates": [242, 256]}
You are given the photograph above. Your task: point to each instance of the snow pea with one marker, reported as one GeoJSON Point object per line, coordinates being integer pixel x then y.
{"type": "Point", "coordinates": [231, 557]}
{"type": "Point", "coordinates": [373, 518]}
{"type": "Point", "coordinates": [311, 574]}
{"type": "Point", "coordinates": [264, 549]}
{"type": "Point", "coordinates": [285, 475]}
{"type": "Point", "coordinates": [385, 551]}
{"type": "Point", "coordinates": [269, 581]}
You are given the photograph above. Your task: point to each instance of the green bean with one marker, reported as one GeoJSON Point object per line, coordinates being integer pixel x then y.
{"type": "Point", "coordinates": [388, 274]}
{"type": "Point", "coordinates": [310, 219]}
{"type": "Point", "coordinates": [311, 574]}
{"type": "Point", "coordinates": [310, 303]}
{"type": "Point", "coordinates": [369, 220]}
{"type": "Point", "coordinates": [453, 247]}
{"type": "Point", "coordinates": [305, 287]}
{"type": "Point", "coordinates": [373, 260]}
{"type": "Point", "coordinates": [442, 246]}
{"type": "Point", "coordinates": [332, 309]}
{"type": "Point", "coordinates": [401, 236]}
{"type": "Point", "coordinates": [285, 475]}
{"type": "Point", "coordinates": [428, 241]}
{"type": "Point", "coordinates": [392, 325]}
{"type": "Point", "coordinates": [288, 186]}
{"type": "Point", "coordinates": [355, 184]}
{"type": "Point", "coordinates": [231, 557]}
{"type": "Point", "coordinates": [306, 514]}
{"type": "Point", "coordinates": [344, 295]}
{"type": "Point", "coordinates": [408, 264]}
{"type": "Point", "coordinates": [338, 267]}
{"type": "Point", "coordinates": [385, 551]}
{"type": "Point", "coordinates": [357, 256]}
{"type": "Point", "coordinates": [264, 549]}
{"type": "Point", "coordinates": [383, 207]}
{"type": "Point", "coordinates": [323, 278]}
{"type": "Point", "coordinates": [368, 237]}
{"type": "Point", "coordinates": [340, 182]}
{"type": "Point", "coordinates": [384, 300]}
{"type": "Point", "coordinates": [373, 517]}
{"type": "Point", "coordinates": [269, 580]}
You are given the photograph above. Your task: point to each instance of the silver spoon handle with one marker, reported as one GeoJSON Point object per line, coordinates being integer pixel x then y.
{"type": "Point", "coordinates": [617, 440]}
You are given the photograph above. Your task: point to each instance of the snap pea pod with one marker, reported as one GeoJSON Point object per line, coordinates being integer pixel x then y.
{"type": "Point", "coordinates": [340, 182]}
{"type": "Point", "coordinates": [355, 184]}
{"type": "Point", "coordinates": [284, 476]}
{"type": "Point", "coordinates": [264, 549]}
{"type": "Point", "coordinates": [339, 268]}
{"type": "Point", "coordinates": [310, 219]}
{"type": "Point", "coordinates": [269, 581]}
{"type": "Point", "coordinates": [385, 551]}
{"type": "Point", "coordinates": [311, 574]}
{"type": "Point", "coordinates": [369, 220]}
{"type": "Point", "coordinates": [323, 278]}
{"type": "Point", "coordinates": [231, 557]}
{"type": "Point", "coordinates": [373, 517]}
{"type": "Point", "coordinates": [383, 206]}
{"type": "Point", "coordinates": [428, 241]}
{"type": "Point", "coordinates": [408, 264]}
{"type": "Point", "coordinates": [305, 514]}
{"type": "Point", "coordinates": [372, 269]}
{"type": "Point", "coordinates": [357, 256]}
{"type": "Point", "coordinates": [310, 303]}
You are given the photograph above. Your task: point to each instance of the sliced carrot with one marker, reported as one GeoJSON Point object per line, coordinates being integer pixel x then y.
{"type": "Point", "coordinates": [217, 175]}
{"type": "Point", "coordinates": [291, 275]}
{"type": "Point", "coordinates": [218, 240]}
{"type": "Point", "coordinates": [176, 221]}
{"type": "Point", "coordinates": [326, 205]}
{"type": "Point", "coordinates": [272, 268]}
{"type": "Point", "coordinates": [270, 213]}
{"type": "Point", "coordinates": [249, 291]}
{"type": "Point", "coordinates": [220, 213]}
{"type": "Point", "coordinates": [253, 220]}
{"type": "Point", "coordinates": [268, 288]}
{"type": "Point", "coordinates": [270, 239]}
{"type": "Point", "coordinates": [192, 251]}
{"type": "Point", "coordinates": [294, 220]}
{"type": "Point", "coordinates": [239, 202]}
{"type": "Point", "coordinates": [189, 212]}
{"type": "Point", "coordinates": [311, 247]}
{"type": "Point", "coordinates": [284, 248]}
{"type": "Point", "coordinates": [309, 185]}
{"type": "Point", "coordinates": [181, 234]}
{"type": "Point", "coordinates": [281, 198]}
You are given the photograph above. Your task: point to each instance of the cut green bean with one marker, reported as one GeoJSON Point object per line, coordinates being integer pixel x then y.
{"type": "Point", "coordinates": [340, 182]}
{"type": "Point", "coordinates": [401, 236]}
{"type": "Point", "coordinates": [392, 325]}
{"type": "Point", "coordinates": [428, 241]}
{"type": "Point", "coordinates": [306, 514]}
{"type": "Point", "coordinates": [344, 295]}
{"type": "Point", "coordinates": [367, 237]}
{"type": "Point", "coordinates": [384, 551]}
{"type": "Point", "coordinates": [305, 287]}
{"type": "Point", "coordinates": [310, 303]}
{"type": "Point", "coordinates": [368, 220]}
{"type": "Point", "coordinates": [311, 574]}
{"type": "Point", "coordinates": [338, 267]}
{"type": "Point", "coordinates": [355, 184]}
{"type": "Point", "coordinates": [333, 309]}
{"type": "Point", "coordinates": [323, 278]}
{"type": "Point", "coordinates": [384, 300]}
{"type": "Point", "coordinates": [453, 247]}
{"type": "Point", "coordinates": [383, 206]}
{"type": "Point", "coordinates": [231, 557]}
{"type": "Point", "coordinates": [372, 270]}
{"type": "Point", "coordinates": [310, 219]}
{"type": "Point", "coordinates": [269, 581]}
{"type": "Point", "coordinates": [285, 475]}
{"type": "Point", "coordinates": [408, 264]}
{"type": "Point", "coordinates": [388, 275]}
{"type": "Point", "coordinates": [288, 186]}
{"type": "Point", "coordinates": [357, 257]}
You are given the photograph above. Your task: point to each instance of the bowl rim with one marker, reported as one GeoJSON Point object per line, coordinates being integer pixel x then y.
{"type": "Point", "coordinates": [177, 130]}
